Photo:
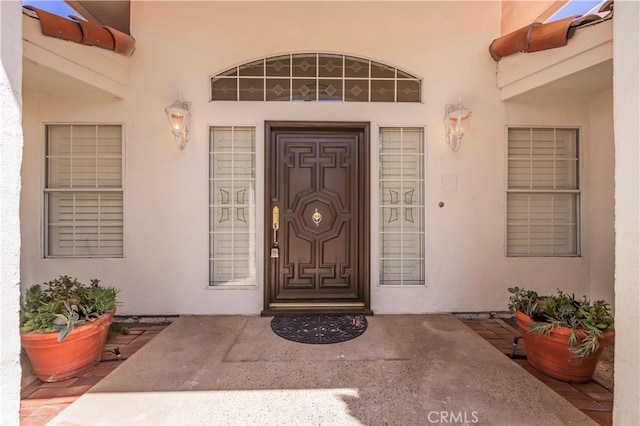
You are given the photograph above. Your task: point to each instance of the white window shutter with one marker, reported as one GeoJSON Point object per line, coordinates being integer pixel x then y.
{"type": "Point", "coordinates": [84, 195]}
{"type": "Point", "coordinates": [543, 192]}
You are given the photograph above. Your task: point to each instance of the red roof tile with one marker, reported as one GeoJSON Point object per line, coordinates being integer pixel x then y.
{"type": "Point", "coordinates": [81, 31]}
{"type": "Point", "coordinates": [539, 36]}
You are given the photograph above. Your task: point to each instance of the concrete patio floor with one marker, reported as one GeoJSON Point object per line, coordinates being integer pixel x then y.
{"type": "Point", "coordinates": [404, 370]}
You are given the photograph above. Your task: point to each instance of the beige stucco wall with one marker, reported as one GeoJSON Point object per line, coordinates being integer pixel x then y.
{"type": "Point", "coordinates": [165, 269]}
{"type": "Point", "coordinates": [600, 182]}
{"type": "Point", "coordinates": [518, 14]}
{"type": "Point", "coordinates": [10, 161]}
{"type": "Point", "coordinates": [626, 410]}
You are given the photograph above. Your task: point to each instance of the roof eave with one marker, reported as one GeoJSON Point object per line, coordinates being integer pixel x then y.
{"type": "Point", "coordinates": [523, 72]}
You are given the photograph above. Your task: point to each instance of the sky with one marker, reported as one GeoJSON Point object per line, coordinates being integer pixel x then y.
{"type": "Point", "coordinates": [58, 7]}
{"type": "Point", "coordinates": [575, 7]}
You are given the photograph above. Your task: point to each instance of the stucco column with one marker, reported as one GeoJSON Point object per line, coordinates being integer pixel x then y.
{"type": "Point", "coordinates": [626, 94]}
{"type": "Point", "coordinates": [10, 162]}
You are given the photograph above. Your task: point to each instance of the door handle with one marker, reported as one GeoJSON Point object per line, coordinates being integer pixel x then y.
{"type": "Point", "coordinates": [275, 216]}
{"type": "Point", "coordinates": [275, 224]}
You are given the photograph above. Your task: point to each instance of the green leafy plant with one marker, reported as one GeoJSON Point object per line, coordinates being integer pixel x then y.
{"type": "Point", "coordinates": [64, 304]}
{"type": "Point", "coordinates": [118, 328]}
{"type": "Point", "coordinates": [587, 320]}
{"type": "Point", "coordinates": [522, 300]}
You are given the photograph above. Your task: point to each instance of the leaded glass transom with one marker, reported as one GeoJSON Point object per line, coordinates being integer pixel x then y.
{"type": "Point", "coordinates": [315, 77]}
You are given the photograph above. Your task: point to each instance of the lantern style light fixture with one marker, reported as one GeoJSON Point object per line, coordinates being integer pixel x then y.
{"type": "Point", "coordinates": [179, 115]}
{"type": "Point", "coordinates": [456, 119]}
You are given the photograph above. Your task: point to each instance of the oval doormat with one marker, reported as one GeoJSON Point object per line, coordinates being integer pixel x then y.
{"type": "Point", "coordinates": [319, 329]}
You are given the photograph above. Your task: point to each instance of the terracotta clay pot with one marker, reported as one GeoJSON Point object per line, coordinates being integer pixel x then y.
{"type": "Point", "coordinates": [550, 354]}
{"type": "Point", "coordinates": [53, 361]}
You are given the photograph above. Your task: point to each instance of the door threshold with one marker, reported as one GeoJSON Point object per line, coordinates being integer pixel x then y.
{"type": "Point", "coordinates": [313, 310]}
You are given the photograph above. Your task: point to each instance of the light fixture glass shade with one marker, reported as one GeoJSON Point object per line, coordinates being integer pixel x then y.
{"type": "Point", "coordinates": [457, 119]}
{"type": "Point", "coordinates": [179, 116]}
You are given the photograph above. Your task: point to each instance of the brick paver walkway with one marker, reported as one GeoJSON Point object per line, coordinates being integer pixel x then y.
{"type": "Point", "coordinates": [41, 402]}
{"type": "Point", "coordinates": [591, 398]}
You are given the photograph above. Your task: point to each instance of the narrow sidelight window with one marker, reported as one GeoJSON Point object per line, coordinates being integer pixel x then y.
{"type": "Point", "coordinates": [83, 191]}
{"type": "Point", "coordinates": [232, 208]}
{"type": "Point", "coordinates": [402, 225]}
{"type": "Point", "coordinates": [543, 192]}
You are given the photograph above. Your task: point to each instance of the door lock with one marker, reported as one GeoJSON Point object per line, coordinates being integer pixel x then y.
{"type": "Point", "coordinates": [275, 253]}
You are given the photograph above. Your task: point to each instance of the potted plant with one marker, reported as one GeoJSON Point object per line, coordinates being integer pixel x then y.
{"type": "Point", "coordinates": [64, 326]}
{"type": "Point", "coordinates": [563, 336]}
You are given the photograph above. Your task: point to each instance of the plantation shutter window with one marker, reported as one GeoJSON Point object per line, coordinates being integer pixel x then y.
{"type": "Point", "coordinates": [83, 191]}
{"type": "Point", "coordinates": [543, 195]}
{"type": "Point", "coordinates": [402, 225]}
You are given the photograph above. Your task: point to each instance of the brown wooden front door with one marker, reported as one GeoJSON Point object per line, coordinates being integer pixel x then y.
{"type": "Point", "coordinates": [317, 193]}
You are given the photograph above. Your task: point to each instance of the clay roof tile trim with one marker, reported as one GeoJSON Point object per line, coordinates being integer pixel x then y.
{"type": "Point", "coordinates": [538, 36]}
{"type": "Point", "coordinates": [81, 31]}
{"type": "Point", "coordinates": [532, 38]}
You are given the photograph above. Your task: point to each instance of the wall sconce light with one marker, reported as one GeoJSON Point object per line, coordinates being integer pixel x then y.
{"type": "Point", "coordinates": [456, 120]}
{"type": "Point", "coordinates": [179, 115]}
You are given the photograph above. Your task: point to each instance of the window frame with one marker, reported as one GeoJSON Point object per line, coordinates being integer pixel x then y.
{"type": "Point", "coordinates": [379, 207]}
{"type": "Point", "coordinates": [46, 190]}
{"type": "Point", "coordinates": [242, 284]}
{"type": "Point", "coordinates": [578, 191]}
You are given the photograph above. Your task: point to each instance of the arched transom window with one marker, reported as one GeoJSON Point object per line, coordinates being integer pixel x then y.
{"type": "Point", "coordinates": [321, 77]}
